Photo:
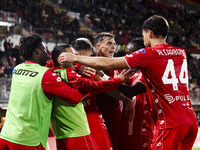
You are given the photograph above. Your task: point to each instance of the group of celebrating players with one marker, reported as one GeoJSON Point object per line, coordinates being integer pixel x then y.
{"type": "Point", "coordinates": [91, 103]}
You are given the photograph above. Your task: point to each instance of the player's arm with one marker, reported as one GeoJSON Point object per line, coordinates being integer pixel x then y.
{"type": "Point", "coordinates": [131, 91]}
{"type": "Point", "coordinates": [117, 95]}
{"type": "Point", "coordinates": [94, 87]}
{"type": "Point", "coordinates": [101, 63]}
{"type": "Point", "coordinates": [53, 86]}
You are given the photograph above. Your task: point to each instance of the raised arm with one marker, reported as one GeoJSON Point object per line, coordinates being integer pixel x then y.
{"type": "Point", "coordinates": [100, 63]}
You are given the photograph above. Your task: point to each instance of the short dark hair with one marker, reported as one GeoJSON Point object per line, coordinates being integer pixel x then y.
{"type": "Point", "coordinates": [57, 50]}
{"type": "Point", "coordinates": [101, 36]}
{"type": "Point", "coordinates": [28, 45]}
{"type": "Point", "coordinates": [138, 43]}
{"type": "Point", "coordinates": [81, 45]}
{"type": "Point", "coordinates": [157, 24]}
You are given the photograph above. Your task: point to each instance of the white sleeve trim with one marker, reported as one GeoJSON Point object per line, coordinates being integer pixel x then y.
{"type": "Point", "coordinates": [127, 63]}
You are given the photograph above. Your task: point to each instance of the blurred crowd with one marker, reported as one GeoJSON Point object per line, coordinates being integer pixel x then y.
{"type": "Point", "coordinates": [194, 72]}
{"type": "Point", "coordinates": [123, 18]}
{"type": "Point", "coordinates": [9, 58]}
{"type": "Point", "coordinates": [45, 18]}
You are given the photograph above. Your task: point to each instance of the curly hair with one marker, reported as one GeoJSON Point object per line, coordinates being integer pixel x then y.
{"type": "Point", "coordinates": [158, 25]}
{"type": "Point", "coordinates": [28, 45]}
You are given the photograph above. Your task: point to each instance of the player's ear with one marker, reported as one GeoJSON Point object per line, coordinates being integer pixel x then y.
{"type": "Point", "coordinates": [150, 34]}
{"type": "Point", "coordinates": [37, 51]}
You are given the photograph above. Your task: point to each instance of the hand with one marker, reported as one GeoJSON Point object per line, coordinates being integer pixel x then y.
{"type": "Point", "coordinates": [87, 71]}
{"type": "Point", "coordinates": [66, 57]}
{"type": "Point", "coordinates": [129, 109]}
{"type": "Point", "coordinates": [123, 75]}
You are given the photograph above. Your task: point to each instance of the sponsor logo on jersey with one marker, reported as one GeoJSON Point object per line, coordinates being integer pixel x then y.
{"type": "Point", "coordinates": [141, 50]}
{"type": "Point", "coordinates": [25, 72]}
{"type": "Point", "coordinates": [171, 99]}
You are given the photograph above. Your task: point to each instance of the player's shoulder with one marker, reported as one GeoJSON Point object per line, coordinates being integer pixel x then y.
{"type": "Point", "coordinates": [50, 72]}
{"type": "Point", "coordinates": [70, 70]}
{"type": "Point", "coordinates": [51, 76]}
{"type": "Point", "coordinates": [143, 50]}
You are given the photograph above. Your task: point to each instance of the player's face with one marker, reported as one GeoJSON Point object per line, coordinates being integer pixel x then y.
{"type": "Point", "coordinates": [146, 39]}
{"type": "Point", "coordinates": [106, 48]}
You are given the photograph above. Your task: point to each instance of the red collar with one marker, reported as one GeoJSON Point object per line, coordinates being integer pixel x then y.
{"type": "Point", "coordinates": [30, 62]}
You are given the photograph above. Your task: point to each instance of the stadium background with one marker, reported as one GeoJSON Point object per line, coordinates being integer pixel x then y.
{"type": "Point", "coordinates": [62, 21]}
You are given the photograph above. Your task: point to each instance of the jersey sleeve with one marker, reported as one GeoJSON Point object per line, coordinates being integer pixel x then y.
{"type": "Point", "coordinates": [138, 59]}
{"type": "Point", "coordinates": [54, 86]}
{"type": "Point", "coordinates": [139, 77]}
{"type": "Point", "coordinates": [78, 67]}
{"type": "Point", "coordinates": [88, 85]}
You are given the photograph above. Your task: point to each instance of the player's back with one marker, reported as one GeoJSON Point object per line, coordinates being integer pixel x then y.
{"type": "Point", "coordinates": [168, 78]}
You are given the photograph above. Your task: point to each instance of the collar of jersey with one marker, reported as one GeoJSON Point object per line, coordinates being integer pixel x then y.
{"type": "Point", "coordinates": [30, 62]}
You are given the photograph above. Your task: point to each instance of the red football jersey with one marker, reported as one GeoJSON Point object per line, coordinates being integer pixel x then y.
{"type": "Point", "coordinates": [165, 71]}
{"type": "Point", "coordinates": [142, 123]}
{"type": "Point", "coordinates": [95, 120]}
{"type": "Point", "coordinates": [111, 111]}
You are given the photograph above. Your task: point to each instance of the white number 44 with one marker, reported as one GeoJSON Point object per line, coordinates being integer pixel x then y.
{"type": "Point", "coordinates": [173, 79]}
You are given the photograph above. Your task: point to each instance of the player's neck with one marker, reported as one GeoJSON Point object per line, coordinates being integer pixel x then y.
{"type": "Point", "coordinates": [156, 41]}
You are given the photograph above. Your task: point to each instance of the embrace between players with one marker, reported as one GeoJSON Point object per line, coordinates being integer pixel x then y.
{"type": "Point", "coordinates": [77, 103]}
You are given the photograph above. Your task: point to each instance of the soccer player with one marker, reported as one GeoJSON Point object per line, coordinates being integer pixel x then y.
{"type": "Point", "coordinates": [112, 110]}
{"type": "Point", "coordinates": [95, 120]}
{"type": "Point", "coordinates": [165, 71]}
{"type": "Point", "coordinates": [30, 102]}
{"type": "Point", "coordinates": [69, 121]}
{"type": "Point", "coordinates": [85, 48]}
{"type": "Point", "coordinates": [137, 134]}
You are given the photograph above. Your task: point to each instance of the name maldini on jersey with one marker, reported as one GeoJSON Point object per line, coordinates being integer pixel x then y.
{"type": "Point", "coordinates": [168, 52]}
